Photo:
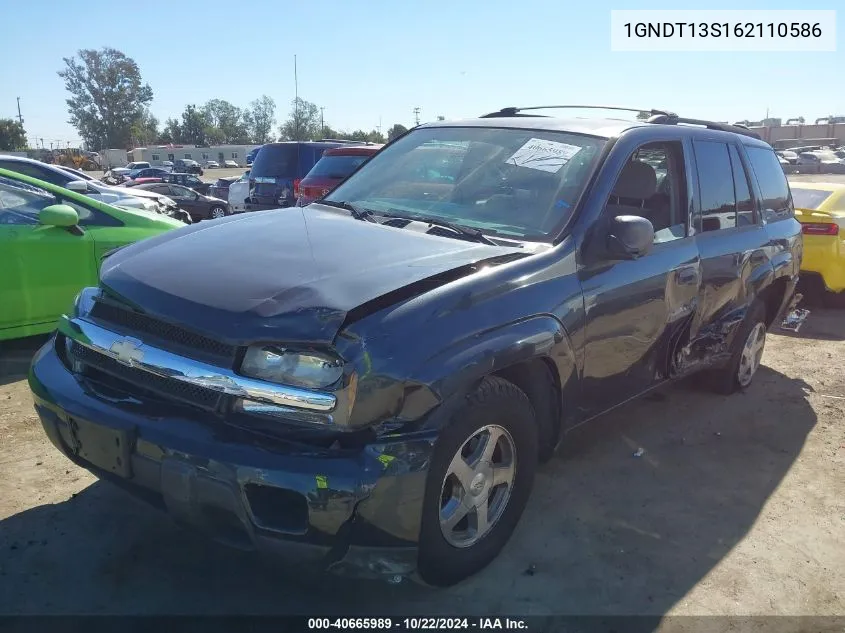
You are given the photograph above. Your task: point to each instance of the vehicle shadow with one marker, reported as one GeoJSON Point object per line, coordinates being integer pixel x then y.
{"type": "Point", "coordinates": [16, 356]}
{"type": "Point", "coordinates": [606, 532]}
{"type": "Point", "coordinates": [823, 324]}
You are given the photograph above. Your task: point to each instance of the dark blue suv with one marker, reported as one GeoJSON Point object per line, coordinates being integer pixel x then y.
{"type": "Point", "coordinates": [277, 170]}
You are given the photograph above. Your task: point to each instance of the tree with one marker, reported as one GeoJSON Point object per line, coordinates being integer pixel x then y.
{"type": "Point", "coordinates": [172, 132]}
{"type": "Point", "coordinates": [260, 119]}
{"type": "Point", "coordinates": [107, 96]}
{"type": "Point", "coordinates": [397, 130]}
{"type": "Point", "coordinates": [227, 123]}
{"type": "Point", "coordinates": [12, 135]}
{"type": "Point", "coordinates": [145, 129]}
{"type": "Point", "coordinates": [303, 123]}
{"type": "Point", "coordinates": [193, 127]}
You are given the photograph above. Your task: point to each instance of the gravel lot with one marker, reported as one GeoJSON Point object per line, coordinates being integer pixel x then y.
{"type": "Point", "coordinates": [736, 507]}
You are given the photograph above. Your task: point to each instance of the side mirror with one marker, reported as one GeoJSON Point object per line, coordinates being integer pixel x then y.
{"type": "Point", "coordinates": [79, 186]}
{"type": "Point", "coordinates": [58, 215]}
{"type": "Point", "coordinates": [629, 237]}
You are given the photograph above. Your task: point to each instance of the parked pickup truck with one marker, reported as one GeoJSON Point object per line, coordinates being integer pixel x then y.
{"type": "Point", "coordinates": [370, 384]}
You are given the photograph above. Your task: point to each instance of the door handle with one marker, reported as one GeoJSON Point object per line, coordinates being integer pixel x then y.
{"type": "Point", "coordinates": [686, 276]}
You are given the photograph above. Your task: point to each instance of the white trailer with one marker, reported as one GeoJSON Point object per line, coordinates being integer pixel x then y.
{"type": "Point", "coordinates": [113, 158]}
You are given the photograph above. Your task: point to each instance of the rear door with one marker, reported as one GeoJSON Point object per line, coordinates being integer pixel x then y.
{"type": "Point", "coordinates": [43, 267]}
{"type": "Point", "coordinates": [730, 238]}
{"type": "Point", "coordinates": [637, 309]}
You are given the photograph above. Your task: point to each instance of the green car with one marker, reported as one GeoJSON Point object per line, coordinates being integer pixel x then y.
{"type": "Point", "coordinates": [51, 243]}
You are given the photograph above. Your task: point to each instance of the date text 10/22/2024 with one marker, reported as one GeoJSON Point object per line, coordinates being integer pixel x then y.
{"type": "Point", "coordinates": [417, 624]}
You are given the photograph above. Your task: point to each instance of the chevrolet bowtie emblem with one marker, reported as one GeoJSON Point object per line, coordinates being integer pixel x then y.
{"type": "Point", "coordinates": [127, 351]}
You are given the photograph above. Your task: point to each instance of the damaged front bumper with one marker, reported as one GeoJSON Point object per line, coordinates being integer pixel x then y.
{"type": "Point", "coordinates": [351, 512]}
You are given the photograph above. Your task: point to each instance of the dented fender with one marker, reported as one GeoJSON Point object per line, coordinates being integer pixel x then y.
{"type": "Point", "coordinates": [453, 372]}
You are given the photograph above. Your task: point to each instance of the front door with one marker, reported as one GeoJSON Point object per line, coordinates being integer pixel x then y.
{"type": "Point", "coordinates": [637, 309]}
{"type": "Point", "coordinates": [188, 200]}
{"type": "Point", "coordinates": [43, 267]}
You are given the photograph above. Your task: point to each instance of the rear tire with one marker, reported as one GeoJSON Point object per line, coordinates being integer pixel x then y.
{"type": "Point", "coordinates": [479, 481]}
{"type": "Point", "coordinates": [748, 347]}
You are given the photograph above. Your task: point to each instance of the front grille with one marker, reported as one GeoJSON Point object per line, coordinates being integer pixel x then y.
{"type": "Point", "coordinates": [138, 378]}
{"type": "Point", "coordinates": [131, 321]}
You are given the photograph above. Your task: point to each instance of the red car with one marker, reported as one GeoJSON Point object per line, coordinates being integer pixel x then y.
{"type": "Point", "coordinates": [333, 168]}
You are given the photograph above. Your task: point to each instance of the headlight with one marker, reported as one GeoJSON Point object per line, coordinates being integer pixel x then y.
{"type": "Point", "coordinates": [311, 370]}
{"type": "Point", "coordinates": [84, 302]}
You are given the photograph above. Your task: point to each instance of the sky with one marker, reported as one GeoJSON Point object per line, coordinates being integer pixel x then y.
{"type": "Point", "coordinates": [371, 62]}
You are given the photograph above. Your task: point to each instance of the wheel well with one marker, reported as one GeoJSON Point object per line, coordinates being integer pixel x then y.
{"type": "Point", "coordinates": [773, 297]}
{"type": "Point", "coordinates": [539, 380]}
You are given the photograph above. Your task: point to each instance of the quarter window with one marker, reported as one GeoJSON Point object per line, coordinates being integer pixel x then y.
{"type": "Point", "coordinates": [716, 186]}
{"type": "Point", "coordinates": [774, 188]}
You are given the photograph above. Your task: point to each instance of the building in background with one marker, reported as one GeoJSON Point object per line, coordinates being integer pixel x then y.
{"type": "Point", "coordinates": [158, 154]}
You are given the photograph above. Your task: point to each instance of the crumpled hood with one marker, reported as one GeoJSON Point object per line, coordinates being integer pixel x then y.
{"type": "Point", "coordinates": [284, 275]}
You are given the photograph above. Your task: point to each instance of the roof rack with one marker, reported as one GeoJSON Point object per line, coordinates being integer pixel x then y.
{"type": "Point", "coordinates": [656, 116]}
{"type": "Point", "coordinates": [674, 119]}
{"type": "Point", "coordinates": [513, 111]}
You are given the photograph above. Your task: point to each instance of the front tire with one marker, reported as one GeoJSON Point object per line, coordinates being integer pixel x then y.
{"type": "Point", "coordinates": [747, 352]}
{"type": "Point", "coordinates": [479, 481]}
{"type": "Point", "coordinates": [217, 213]}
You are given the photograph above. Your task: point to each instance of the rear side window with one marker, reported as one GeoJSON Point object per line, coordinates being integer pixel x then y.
{"type": "Point", "coordinates": [336, 166]}
{"type": "Point", "coordinates": [275, 161]}
{"type": "Point", "coordinates": [716, 186]}
{"type": "Point", "coordinates": [773, 185]}
{"type": "Point", "coordinates": [744, 201]}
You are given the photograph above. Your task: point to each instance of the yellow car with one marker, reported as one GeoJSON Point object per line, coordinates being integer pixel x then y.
{"type": "Point", "coordinates": [820, 207]}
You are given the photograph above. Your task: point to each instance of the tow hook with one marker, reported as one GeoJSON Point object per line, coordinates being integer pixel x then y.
{"type": "Point", "coordinates": [795, 317]}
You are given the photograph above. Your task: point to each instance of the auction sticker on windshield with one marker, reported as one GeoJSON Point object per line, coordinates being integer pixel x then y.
{"type": "Point", "coordinates": [544, 155]}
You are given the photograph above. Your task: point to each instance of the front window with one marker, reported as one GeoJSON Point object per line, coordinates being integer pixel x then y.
{"type": "Point", "coordinates": [515, 183]}
{"type": "Point", "coordinates": [21, 203]}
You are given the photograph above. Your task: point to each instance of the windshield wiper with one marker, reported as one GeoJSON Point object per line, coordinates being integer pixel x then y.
{"type": "Point", "coordinates": [474, 234]}
{"type": "Point", "coordinates": [359, 213]}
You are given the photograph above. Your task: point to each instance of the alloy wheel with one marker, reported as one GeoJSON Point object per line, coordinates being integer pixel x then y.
{"type": "Point", "coordinates": [752, 353]}
{"type": "Point", "coordinates": [477, 486]}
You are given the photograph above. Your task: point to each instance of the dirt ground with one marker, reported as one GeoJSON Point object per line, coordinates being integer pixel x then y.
{"type": "Point", "coordinates": [735, 507]}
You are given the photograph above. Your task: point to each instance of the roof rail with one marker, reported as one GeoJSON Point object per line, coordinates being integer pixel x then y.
{"type": "Point", "coordinates": [343, 140]}
{"type": "Point", "coordinates": [513, 111]}
{"type": "Point", "coordinates": [674, 119]}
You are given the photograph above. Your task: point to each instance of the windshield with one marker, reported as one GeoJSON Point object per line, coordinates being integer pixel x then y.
{"type": "Point", "coordinates": [276, 161]}
{"type": "Point", "coordinates": [514, 183]}
{"type": "Point", "coordinates": [810, 199]}
{"type": "Point", "coordinates": [336, 166]}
